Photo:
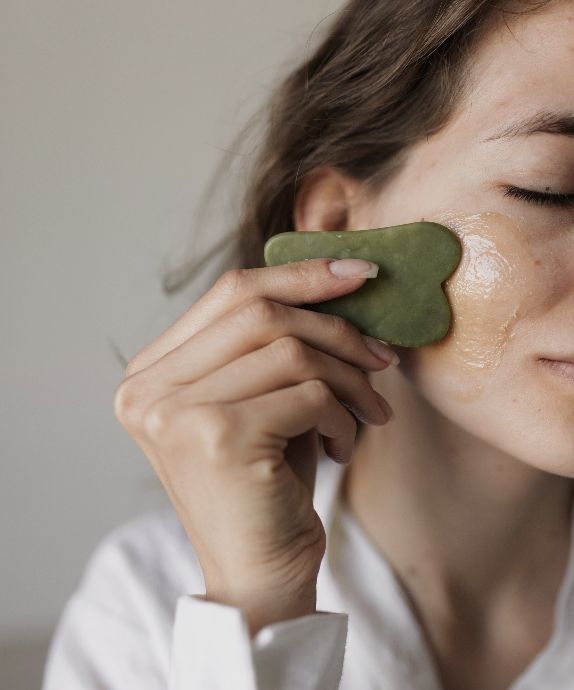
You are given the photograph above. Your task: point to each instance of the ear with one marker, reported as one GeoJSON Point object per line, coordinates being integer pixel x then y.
{"type": "Point", "coordinates": [325, 201]}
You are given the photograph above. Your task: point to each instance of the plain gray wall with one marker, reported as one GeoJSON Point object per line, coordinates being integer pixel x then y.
{"type": "Point", "coordinates": [113, 115]}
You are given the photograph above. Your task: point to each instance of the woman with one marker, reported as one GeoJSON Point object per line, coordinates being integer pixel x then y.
{"type": "Point", "coordinates": [443, 538]}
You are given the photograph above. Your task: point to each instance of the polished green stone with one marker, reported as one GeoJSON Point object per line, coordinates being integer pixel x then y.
{"type": "Point", "coordinates": [405, 304]}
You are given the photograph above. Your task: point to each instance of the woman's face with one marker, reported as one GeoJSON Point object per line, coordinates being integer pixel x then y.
{"type": "Point", "coordinates": [512, 295]}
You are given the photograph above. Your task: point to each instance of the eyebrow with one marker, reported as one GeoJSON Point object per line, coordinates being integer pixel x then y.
{"type": "Point", "coordinates": [547, 122]}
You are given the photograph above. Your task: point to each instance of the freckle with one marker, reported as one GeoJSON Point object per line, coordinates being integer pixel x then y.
{"type": "Point", "coordinates": [537, 262]}
{"type": "Point", "coordinates": [513, 399]}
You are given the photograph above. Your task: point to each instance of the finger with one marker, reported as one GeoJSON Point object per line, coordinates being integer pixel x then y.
{"type": "Point", "coordinates": [246, 430]}
{"type": "Point", "coordinates": [286, 362]}
{"type": "Point", "coordinates": [299, 282]}
{"type": "Point", "coordinates": [255, 324]}
{"type": "Point", "coordinates": [311, 405]}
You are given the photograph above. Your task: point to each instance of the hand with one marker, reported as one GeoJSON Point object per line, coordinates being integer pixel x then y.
{"type": "Point", "coordinates": [227, 405]}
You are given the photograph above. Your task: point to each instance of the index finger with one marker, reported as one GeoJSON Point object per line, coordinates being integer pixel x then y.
{"type": "Point", "coordinates": [295, 283]}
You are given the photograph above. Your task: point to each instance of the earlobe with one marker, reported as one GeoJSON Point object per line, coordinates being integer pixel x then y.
{"type": "Point", "coordinates": [323, 201]}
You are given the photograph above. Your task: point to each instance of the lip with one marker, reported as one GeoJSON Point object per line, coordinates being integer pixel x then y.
{"type": "Point", "coordinates": [563, 367]}
{"type": "Point", "coordinates": [567, 359]}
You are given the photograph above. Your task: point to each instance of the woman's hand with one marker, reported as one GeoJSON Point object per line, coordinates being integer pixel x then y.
{"type": "Point", "coordinates": [227, 404]}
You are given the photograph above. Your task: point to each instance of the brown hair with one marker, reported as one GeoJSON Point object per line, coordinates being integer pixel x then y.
{"type": "Point", "coordinates": [387, 74]}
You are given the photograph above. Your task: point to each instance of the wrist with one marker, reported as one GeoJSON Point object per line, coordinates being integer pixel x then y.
{"type": "Point", "coordinates": [262, 608]}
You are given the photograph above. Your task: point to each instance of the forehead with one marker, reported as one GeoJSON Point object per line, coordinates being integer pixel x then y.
{"type": "Point", "coordinates": [522, 64]}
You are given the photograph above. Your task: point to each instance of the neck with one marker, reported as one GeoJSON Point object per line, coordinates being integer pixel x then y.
{"type": "Point", "coordinates": [461, 522]}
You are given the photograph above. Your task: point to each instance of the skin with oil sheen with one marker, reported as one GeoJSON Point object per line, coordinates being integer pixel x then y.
{"type": "Point", "coordinates": [488, 292]}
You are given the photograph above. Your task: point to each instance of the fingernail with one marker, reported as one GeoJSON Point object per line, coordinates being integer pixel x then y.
{"type": "Point", "coordinates": [387, 409]}
{"type": "Point", "coordinates": [380, 350]}
{"type": "Point", "coordinates": [353, 268]}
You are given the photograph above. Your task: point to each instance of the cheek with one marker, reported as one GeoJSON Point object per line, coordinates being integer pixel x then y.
{"type": "Point", "coordinates": [492, 289]}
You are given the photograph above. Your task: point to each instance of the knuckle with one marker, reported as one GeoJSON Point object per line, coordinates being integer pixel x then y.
{"type": "Point", "coordinates": [156, 421]}
{"type": "Point", "coordinates": [206, 429]}
{"type": "Point", "coordinates": [258, 310]}
{"type": "Point", "coordinates": [217, 425]}
{"type": "Point", "coordinates": [291, 350]}
{"type": "Point", "coordinates": [265, 471]}
{"type": "Point", "coordinates": [318, 391]}
{"type": "Point", "coordinates": [232, 281]}
{"type": "Point", "coordinates": [127, 403]}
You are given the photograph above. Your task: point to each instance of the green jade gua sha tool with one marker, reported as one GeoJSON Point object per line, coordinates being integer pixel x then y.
{"type": "Point", "coordinates": [405, 304]}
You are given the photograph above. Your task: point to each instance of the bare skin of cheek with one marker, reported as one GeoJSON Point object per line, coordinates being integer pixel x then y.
{"type": "Point", "coordinates": [488, 293]}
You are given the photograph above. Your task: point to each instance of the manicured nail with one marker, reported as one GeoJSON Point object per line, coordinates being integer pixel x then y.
{"type": "Point", "coordinates": [354, 268]}
{"type": "Point", "coordinates": [381, 350]}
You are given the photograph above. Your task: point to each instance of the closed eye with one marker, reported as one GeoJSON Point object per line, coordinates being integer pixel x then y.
{"type": "Point", "coordinates": [540, 198]}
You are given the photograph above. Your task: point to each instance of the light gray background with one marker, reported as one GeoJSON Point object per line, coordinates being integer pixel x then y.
{"type": "Point", "coordinates": [113, 115]}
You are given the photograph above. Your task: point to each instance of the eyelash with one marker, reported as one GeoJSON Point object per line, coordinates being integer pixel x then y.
{"type": "Point", "coordinates": [540, 197]}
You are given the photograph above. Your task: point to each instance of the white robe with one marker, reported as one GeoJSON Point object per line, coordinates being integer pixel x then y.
{"type": "Point", "coordinates": [137, 620]}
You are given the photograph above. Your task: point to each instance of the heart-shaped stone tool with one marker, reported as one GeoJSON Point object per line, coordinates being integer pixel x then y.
{"type": "Point", "coordinates": [405, 304]}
